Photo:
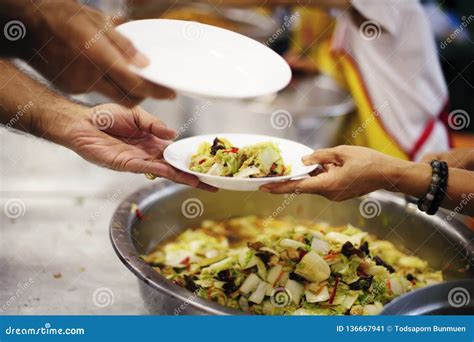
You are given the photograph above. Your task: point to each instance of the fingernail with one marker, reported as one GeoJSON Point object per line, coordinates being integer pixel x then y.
{"type": "Point", "coordinates": [206, 187]}
{"type": "Point", "coordinates": [140, 60]}
{"type": "Point", "coordinates": [305, 160]}
{"type": "Point", "coordinates": [173, 133]}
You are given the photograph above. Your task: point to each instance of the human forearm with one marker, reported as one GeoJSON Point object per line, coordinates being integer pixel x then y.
{"type": "Point", "coordinates": [414, 178]}
{"type": "Point", "coordinates": [29, 106]}
{"type": "Point", "coordinates": [351, 171]}
{"type": "Point", "coordinates": [461, 158]}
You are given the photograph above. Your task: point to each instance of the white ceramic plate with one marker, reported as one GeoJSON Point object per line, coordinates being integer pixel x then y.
{"type": "Point", "coordinates": [179, 153]}
{"type": "Point", "coordinates": [205, 60]}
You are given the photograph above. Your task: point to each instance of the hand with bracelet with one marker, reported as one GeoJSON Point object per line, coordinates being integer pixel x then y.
{"type": "Point", "coordinates": [110, 135]}
{"type": "Point", "coordinates": [351, 171]}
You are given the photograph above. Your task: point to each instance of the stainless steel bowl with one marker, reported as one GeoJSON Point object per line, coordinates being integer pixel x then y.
{"type": "Point", "coordinates": [445, 244]}
{"type": "Point", "coordinates": [448, 298]}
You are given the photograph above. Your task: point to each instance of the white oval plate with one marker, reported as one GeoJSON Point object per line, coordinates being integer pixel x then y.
{"type": "Point", "coordinates": [179, 153]}
{"type": "Point", "coordinates": [205, 60]}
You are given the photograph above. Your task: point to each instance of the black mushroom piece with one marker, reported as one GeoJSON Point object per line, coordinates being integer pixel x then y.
{"type": "Point", "coordinates": [229, 287]}
{"type": "Point", "coordinates": [378, 260]}
{"type": "Point", "coordinates": [296, 277]}
{"type": "Point", "coordinates": [216, 146]}
{"type": "Point", "coordinates": [348, 249]}
{"type": "Point", "coordinates": [264, 256]}
{"type": "Point", "coordinates": [363, 283]}
{"type": "Point", "coordinates": [225, 275]}
{"type": "Point", "coordinates": [411, 277]}
{"type": "Point", "coordinates": [189, 283]}
{"type": "Point", "coordinates": [365, 248]}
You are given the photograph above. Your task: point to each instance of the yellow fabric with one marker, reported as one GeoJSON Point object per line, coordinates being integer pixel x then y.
{"type": "Point", "coordinates": [313, 27]}
{"type": "Point", "coordinates": [363, 127]}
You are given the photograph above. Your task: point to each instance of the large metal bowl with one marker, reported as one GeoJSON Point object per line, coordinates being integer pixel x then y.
{"type": "Point", "coordinates": [446, 244]}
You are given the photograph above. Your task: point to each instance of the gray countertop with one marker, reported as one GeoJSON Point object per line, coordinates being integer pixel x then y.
{"type": "Point", "coordinates": [55, 253]}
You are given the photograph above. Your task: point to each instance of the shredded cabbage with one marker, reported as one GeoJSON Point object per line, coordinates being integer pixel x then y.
{"type": "Point", "coordinates": [222, 159]}
{"type": "Point", "coordinates": [289, 266]}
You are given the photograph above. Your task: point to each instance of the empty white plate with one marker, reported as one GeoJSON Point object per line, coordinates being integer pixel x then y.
{"type": "Point", "coordinates": [179, 153]}
{"type": "Point", "coordinates": [205, 60]}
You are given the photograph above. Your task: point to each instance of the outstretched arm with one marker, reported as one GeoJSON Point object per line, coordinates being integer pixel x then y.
{"type": "Point", "coordinates": [351, 171]}
{"type": "Point", "coordinates": [120, 138]}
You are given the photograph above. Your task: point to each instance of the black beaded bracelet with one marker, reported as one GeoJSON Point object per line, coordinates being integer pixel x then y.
{"type": "Point", "coordinates": [443, 173]}
{"type": "Point", "coordinates": [437, 188]}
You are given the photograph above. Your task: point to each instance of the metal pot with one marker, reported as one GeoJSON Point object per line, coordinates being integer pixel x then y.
{"type": "Point", "coordinates": [433, 238]}
{"type": "Point", "coordinates": [311, 111]}
{"type": "Point", "coordinates": [448, 298]}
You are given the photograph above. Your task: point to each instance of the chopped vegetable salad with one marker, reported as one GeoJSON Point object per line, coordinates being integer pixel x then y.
{"type": "Point", "coordinates": [255, 161]}
{"type": "Point", "coordinates": [289, 266]}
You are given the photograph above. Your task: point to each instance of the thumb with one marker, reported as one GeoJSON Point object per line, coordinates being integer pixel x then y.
{"type": "Point", "coordinates": [151, 124]}
{"type": "Point", "coordinates": [313, 185]}
{"type": "Point", "coordinates": [127, 49]}
{"type": "Point", "coordinates": [322, 156]}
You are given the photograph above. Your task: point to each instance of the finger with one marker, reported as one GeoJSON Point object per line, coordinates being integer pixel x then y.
{"type": "Point", "coordinates": [281, 187]}
{"type": "Point", "coordinates": [151, 124]}
{"type": "Point", "coordinates": [184, 178]}
{"type": "Point", "coordinates": [319, 169]}
{"type": "Point", "coordinates": [127, 49]}
{"type": "Point", "coordinates": [322, 156]}
{"type": "Point", "coordinates": [306, 185]}
{"type": "Point", "coordinates": [114, 92]}
{"type": "Point", "coordinates": [137, 86]}
{"type": "Point", "coordinates": [207, 187]}
{"type": "Point", "coordinates": [159, 91]}
{"type": "Point", "coordinates": [160, 169]}
{"type": "Point", "coordinates": [115, 67]}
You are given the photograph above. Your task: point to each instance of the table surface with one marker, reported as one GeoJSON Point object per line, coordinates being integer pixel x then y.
{"type": "Point", "coordinates": [56, 258]}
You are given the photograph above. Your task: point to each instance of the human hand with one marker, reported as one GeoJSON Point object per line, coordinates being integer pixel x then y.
{"type": "Point", "coordinates": [461, 158]}
{"type": "Point", "coordinates": [351, 171]}
{"type": "Point", "coordinates": [78, 50]}
{"type": "Point", "coordinates": [125, 139]}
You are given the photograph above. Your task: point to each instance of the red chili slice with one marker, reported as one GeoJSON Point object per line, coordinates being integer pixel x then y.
{"type": "Point", "coordinates": [185, 261]}
{"type": "Point", "coordinates": [333, 293]}
{"type": "Point", "coordinates": [232, 150]}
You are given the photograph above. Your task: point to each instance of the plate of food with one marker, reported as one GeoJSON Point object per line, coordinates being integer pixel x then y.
{"type": "Point", "coordinates": [239, 162]}
{"type": "Point", "coordinates": [205, 60]}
